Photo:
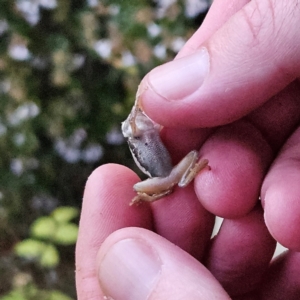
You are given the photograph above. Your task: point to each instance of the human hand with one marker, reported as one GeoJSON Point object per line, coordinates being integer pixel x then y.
{"type": "Point", "coordinates": [133, 263]}
{"type": "Point", "coordinates": [240, 68]}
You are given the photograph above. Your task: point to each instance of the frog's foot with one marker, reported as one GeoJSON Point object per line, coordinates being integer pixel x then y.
{"type": "Point", "coordinates": [141, 197]}
{"type": "Point", "coordinates": [194, 169]}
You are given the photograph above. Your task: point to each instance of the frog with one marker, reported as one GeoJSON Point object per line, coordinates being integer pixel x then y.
{"type": "Point", "coordinates": [153, 158]}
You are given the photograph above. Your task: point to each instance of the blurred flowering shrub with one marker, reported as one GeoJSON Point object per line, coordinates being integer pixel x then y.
{"type": "Point", "coordinates": [69, 71]}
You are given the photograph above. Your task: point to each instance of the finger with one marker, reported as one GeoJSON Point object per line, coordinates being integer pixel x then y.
{"type": "Point", "coordinates": [248, 60]}
{"type": "Point", "coordinates": [250, 296]}
{"type": "Point", "coordinates": [180, 142]}
{"type": "Point", "coordinates": [240, 254]}
{"type": "Point", "coordinates": [134, 263]}
{"type": "Point", "coordinates": [219, 12]}
{"type": "Point", "coordinates": [279, 116]}
{"type": "Point", "coordinates": [280, 195]}
{"type": "Point", "coordinates": [282, 281]}
{"type": "Point", "coordinates": [105, 209]}
{"type": "Point", "coordinates": [234, 151]}
{"type": "Point", "coordinates": [182, 219]}
{"type": "Point", "coordinates": [238, 157]}
{"type": "Point", "coordinates": [275, 120]}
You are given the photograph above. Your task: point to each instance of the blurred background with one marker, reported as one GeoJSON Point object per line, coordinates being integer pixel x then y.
{"type": "Point", "coordinates": [69, 71]}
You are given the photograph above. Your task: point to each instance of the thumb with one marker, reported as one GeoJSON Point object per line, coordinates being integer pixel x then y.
{"type": "Point", "coordinates": [135, 263]}
{"type": "Point", "coordinates": [252, 57]}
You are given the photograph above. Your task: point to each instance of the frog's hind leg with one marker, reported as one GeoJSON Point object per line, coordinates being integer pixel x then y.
{"type": "Point", "coordinates": [144, 197]}
{"type": "Point", "coordinates": [194, 168]}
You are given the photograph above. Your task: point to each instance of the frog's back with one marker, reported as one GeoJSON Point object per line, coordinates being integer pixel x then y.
{"type": "Point", "coordinates": [151, 155]}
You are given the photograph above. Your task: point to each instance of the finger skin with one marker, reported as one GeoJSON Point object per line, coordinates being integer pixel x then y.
{"type": "Point", "coordinates": [241, 252]}
{"type": "Point", "coordinates": [182, 219]}
{"type": "Point", "coordinates": [105, 209]}
{"type": "Point", "coordinates": [282, 281]}
{"type": "Point", "coordinates": [239, 157]}
{"type": "Point", "coordinates": [253, 56]}
{"type": "Point", "coordinates": [219, 13]}
{"type": "Point", "coordinates": [181, 276]}
{"type": "Point", "coordinates": [278, 117]}
{"type": "Point", "coordinates": [250, 296]}
{"type": "Point", "coordinates": [280, 195]}
{"type": "Point", "coordinates": [180, 141]}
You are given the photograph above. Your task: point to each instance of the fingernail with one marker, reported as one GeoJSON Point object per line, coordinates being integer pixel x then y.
{"type": "Point", "coordinates": [181, 77]}
{"type": "Point", "coordinates": [129, 270]}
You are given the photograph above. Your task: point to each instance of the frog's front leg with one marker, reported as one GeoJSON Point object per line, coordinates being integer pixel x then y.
{"type": "Point", "coordinates": [182, 174]}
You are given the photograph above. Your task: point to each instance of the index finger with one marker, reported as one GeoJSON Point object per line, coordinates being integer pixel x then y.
{"type": "Point", "coordinates": [105, 209]}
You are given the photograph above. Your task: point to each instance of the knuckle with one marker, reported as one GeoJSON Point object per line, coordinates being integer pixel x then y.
{"type": "Point", "coordinates": [259, 20]}
{"type": "Point", "coordinates": [272, 25]}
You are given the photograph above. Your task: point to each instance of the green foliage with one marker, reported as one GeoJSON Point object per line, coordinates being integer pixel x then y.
{"type": "Point", "coordinates": [31, 292]}
{"type": "Point", "coordinates": [43, 228]}
{"type": "Point", "coordinates": [64, 214]}
{"type": "Point", "coordinates": [69, 71]}
{"type": "Point", "coordinates": [45, 233]}
{"type": "Point", "coordinates": [49, 257]}
{"type": "Point", "coordinates": [66, 234]}
{"type": "Point", "coordinates": [30, 248]}
{"type": "Point", "coordinates": [46, 254]}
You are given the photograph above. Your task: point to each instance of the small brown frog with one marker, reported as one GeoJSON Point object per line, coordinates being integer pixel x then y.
{"type": "Point", "coordinates": [152, 157]}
